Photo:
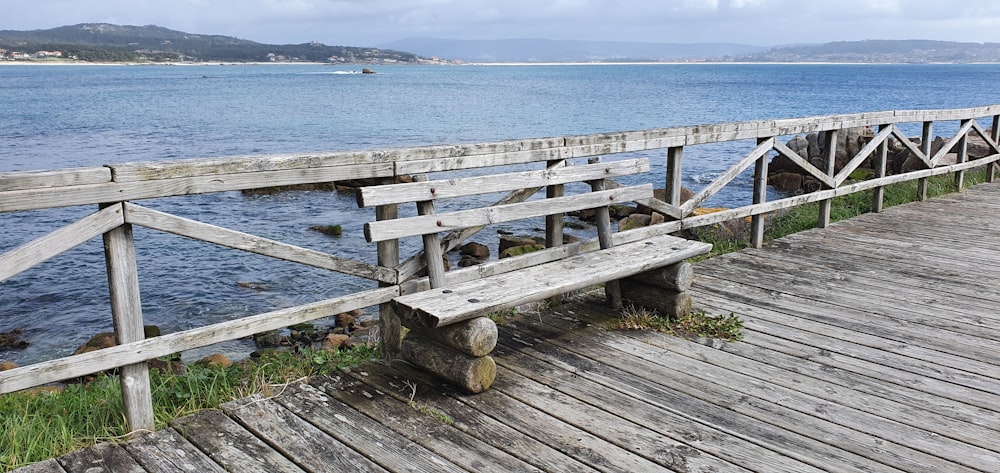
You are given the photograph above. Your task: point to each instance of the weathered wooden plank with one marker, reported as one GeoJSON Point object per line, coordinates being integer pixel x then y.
{"type": "Point", "coordinates": [166, 450]}
{"type": "Point", "coordinates": [427, 224]}
{"type": "Point", "coordinates": [426, 393]}
{"type": "Point", "coordinates": [295, 438]}
{"type": "Point", "coordinates": [42, 249]}
{"type": "Point", "coordinates": [722, 431]}
{"type": "Point", "coordinates": [476, 298]}
{"type": "Point", "coordinates": [375, 441]}
{"type": "Point", "coordinates": [442, 189]}
{"type": "Point", "coordinates": [477, 161]}
{"type": "Point", "coordinates": [32, 199]}
{"type": "Point", "coordinates": [862, 155]}
{"type": "Point", "coordinates": [14, 181]}
{"type": "Point", "coordinates": [961, 135]}
{"type": "Point", "coordinates": [103, 457]}
{"type": "Point", "coordinates": [165, 222]}
{"type": "Point", "coordinates": [187, 168]}
{"type": "Point", "coordinates": [804, 164]}
{"type": "Point", "coordinates": [46, 466]}
{"type": "Point", "coordinates": [229, 445]}
{"type": "Point", "coordinates": [78, 365]}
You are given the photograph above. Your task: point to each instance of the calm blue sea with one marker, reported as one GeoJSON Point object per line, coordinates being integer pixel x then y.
{"type": "Point", "coordinates": [59, 117]}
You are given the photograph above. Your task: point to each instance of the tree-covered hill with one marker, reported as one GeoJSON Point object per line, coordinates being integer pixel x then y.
{"type": "Point", "coordinates": [107, 42]}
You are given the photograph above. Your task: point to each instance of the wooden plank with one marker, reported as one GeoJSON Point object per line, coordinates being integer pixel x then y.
{"type": "Point", "coordinates": [20, 180]}
{"type": "Point", "coordinates": [295, 438]}
{"type": "Point", "coordinates": [78, 365]}
{"type": "Point", "coordinates": [962, 133]}
{"type": "Point", "coordinates": [46, 466]}
{"type": "Point", "coordinates": [167, 450]}
{"type": "Point", "coordinates": [200, 167]}
{"type": "Point", "coordinates": [42, 249]}
{"type": "Point", "coordinates": [165, 222]}
{"type": "Point", "coordinates": [428, 430]}
{"type": "Point", "coordinates": [460, 302]}
{"type": "Point", "coordinates": [586, 376]}
{"type": "Point", "coordinates": [427, 224]}
{"type": "Point", "coordinates": [458, 187]}
{"type": "Point", "coordinates": [417, 387]}
{"type": "Point", "coordinates": [478, 161]}
{"type": "Point", "coordinates": [862, 155]}
{"type": "Point", "coordinates": [32, 199]}
{"type": "Point", "coordinates": [369, 437]}
{"type": "Point", "coordinates": [229, 445]}
{"type": "Point", "coordinates": [803, 164]}
{"type": "Point", "coordinates": [104, 457]}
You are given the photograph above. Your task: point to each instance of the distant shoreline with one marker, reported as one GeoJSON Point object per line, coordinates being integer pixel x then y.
{"type": "Point", "coordinates": [495, 64]}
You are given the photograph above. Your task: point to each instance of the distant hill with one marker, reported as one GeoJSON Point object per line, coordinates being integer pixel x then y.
{"type": "Point", "coordinates": [108, 42]}
{"type": "Point", "coordinates": [881, 51]}
{"type": "Point", "coordinates": [543, 50]}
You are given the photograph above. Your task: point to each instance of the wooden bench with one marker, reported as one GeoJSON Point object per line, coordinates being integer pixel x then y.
{"type": "Point", "coordinates": [449, 334]}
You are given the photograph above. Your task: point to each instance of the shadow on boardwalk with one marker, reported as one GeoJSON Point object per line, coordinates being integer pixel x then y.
{"type": "Point", "coordinates": [873, 345]}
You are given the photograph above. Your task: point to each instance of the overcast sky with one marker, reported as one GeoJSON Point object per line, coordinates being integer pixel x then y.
{"type": "Point", "coordinates": [372, 22]}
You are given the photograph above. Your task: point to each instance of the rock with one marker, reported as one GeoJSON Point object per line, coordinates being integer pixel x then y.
{"type": "Point", "coordinates": [814, 145]}
{"type": "Point", "coordinates": [634, 221]}
{"type": "Point", "coordinates": [786, 181]}
{"type": "Point", "coordinates": [475, 250]}
{"type": "Point", "coordinates": [7, 365]}
{"type": "Point", "coordinates": [521, 250]}
{"type": "Point", "coordinates": [811, 184]}
{"type": "Point", "coordinates": [215, 361]}
{"type": "Point", "coordinates": [367, 71]}
{"type": "Point", "coordinates": [622, 211]}
{"type": "Point", "coordinates": [800, 145]}
{"type": "Point", "coordinates": [347, 319]}
{"type": "Point", "coordinates": [174, 367]}
{"type": "Point", "coordinates": [49, 389]}
{"type": "Point", "coordinates": [656, 218]}
{"type": "Point", "coordinates": [334, 341]}
{"type": "Point", "coordinates": [467, 261]}
{"type": "Point", "coordinates": [12, 340]}
{"type": "Point", "coordinates": [661, 194]}
{"type": "Point", "coordinates": [266, 352]}
{"type": "Point", "coordinates": [508, 242]}
{"type": "Point", "coordinates": [270, 339]}
{"type": "Point", "coordinates": [329, 230]}
{"type": "Point", "coordinates": [361, 337]}
{"type": "Point", "coordinates": [97, 342]}
{"type": "Point", "coordinates": [257, 286]}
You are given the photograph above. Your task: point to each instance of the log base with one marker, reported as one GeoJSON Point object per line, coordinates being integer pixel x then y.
{"type": "Point", "coordinates": [474, 374]}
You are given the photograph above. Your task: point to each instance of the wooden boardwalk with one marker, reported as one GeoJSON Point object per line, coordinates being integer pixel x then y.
{"type": "Point", "coordinates": [873, 345]}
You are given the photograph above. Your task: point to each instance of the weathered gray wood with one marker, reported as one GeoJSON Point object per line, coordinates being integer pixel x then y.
{"type": "Point", "coordinates": [862, 155]}
{"type": "Point", "coordinates": [675, 277]}
{"type": "Point", "coordinates": [963, 154]}
{"type": "Point", "coordinates": [165, 222]}
{"type": "Point", "coordinates": [433, 256]}
{"type": "Point", "coordinates": [479, 297]}
{"type": "Point", "coordinates": [879, 164]}
{"type": "Point", "coordinates": [474, 337]}
{"type": "Point", "coordinates": [474, 374]}
{"type": "Point", "coordinates": [46, 466]}
{"type": "Point", "coordinates": [760, 193]}
{"type": "Point", "coordinates": [78, 365]}
{"type": "Point", "coordinates": [555, 174]}
{"type": "Point", "coordinates": [297, 439]}
{"type": "Point", "coordinates": [554, 223]}
{"type": "Point", "coordinates": [605, 239]}
{"type": "Point", "coordinates": [42, 249]}
{"type": "Point", "coordinates": [229, 445]}
{"type": "Point", "coordinates": [370, 438]}
{"type": "Point", "coordinates": [185, 168]}
{"type": "Point", "coordinates": [803, 164]}
{"type": "Point", "coordinates": [13, 181]}
{"type": "Point", "coordinates": [962, 133]}
{"type": "Point", "coordinates": [439, 164]}
{"type": "Point", "coordinates": [126, 312]}
{"type": "Point", "coordinates": [674, 178]}
{"type": "Point", "coordinates": [925, 147]}
{"type": "Point", "coordinates": [103, 457]}
{"type": "Point", "coordinates": [830, 147]}
{"type": "Point", "coordinates": [31, 199]}
{"type": "Point", "coordinates": [389, 325]}
{"type": "Point", "coordinates": [667, 303]}
{"type": "Point", "coordinates": [427, 224]}
{"type": "Point", "coordinates": [166, 450]}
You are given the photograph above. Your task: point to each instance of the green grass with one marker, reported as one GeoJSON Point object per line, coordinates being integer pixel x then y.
{"type": "Point", "coordinates": [39, 426]}
{"type": "Point", "coordinates": [698, 324]}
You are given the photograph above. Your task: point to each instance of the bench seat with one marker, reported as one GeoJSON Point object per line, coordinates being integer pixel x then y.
{"type": "Point", "coordinates": [450, 304]}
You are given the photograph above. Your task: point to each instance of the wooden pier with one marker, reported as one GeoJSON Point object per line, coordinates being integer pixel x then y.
{"type": "Point", "coordinates": [872, 345]}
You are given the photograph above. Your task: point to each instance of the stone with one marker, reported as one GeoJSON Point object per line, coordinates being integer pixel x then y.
{"type": "Point", "coordinates": [475, 250]}
{"type": "Point", "coordinates": [800, 145]}
{"type": "Point", "coordinates": [814, 145]}
{"type": "Point", "coordinates": [521, 250]}
{"type": "Point", "coordinates": [99, 341]}
{"type": "Point", "coordinates": [334, 341]}
{"type": "Point", "coordinates": [347, 319]}
{"type": "Point", "coordinates": [508, 242]}
{"type": "Point", "coordinates": [634, 221]}
{"type": "Point", "coordinates": [7, 365]}
{"type": "Point", "coordinates": [12, 340]}
{"type": "Point", "coordinates": [656, 218]}
{"type": "Point", "coordinates": [467, 261]}
{"type": "Point", "coordinates": [215, 361]}
{"type": "Point", "coordinates": [786, 181]}
{"type": "Point", "coordinates": [174, 367]}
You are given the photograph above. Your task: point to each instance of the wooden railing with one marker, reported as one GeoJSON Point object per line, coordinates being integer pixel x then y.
{"type": "Point", "coordinates": [115, 188]}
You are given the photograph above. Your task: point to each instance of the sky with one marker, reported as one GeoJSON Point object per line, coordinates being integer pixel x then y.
{"type": "Point", "coordinates": [374, 22]}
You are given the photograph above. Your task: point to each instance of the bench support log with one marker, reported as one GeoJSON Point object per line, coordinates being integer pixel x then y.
{"type": "Point", "coordinates": [676, 277]}
{"type": "Point", "coordinates": [668, 303]}
{"type": "Point", "coordinates": [474, 337]}
{"type": "Point", "coordinates": [474, 374]}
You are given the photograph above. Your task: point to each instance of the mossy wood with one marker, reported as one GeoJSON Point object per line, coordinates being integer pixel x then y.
{"type": "Point", "coordinates": [666, 302]}
{"type": "Point", "coordinates": [474, 337]}
{"type": "Point", "coordinates": [474, 374]}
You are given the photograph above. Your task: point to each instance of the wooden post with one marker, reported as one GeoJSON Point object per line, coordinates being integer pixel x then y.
{"type": "Point", "coordinates": [991, 169]}
{"type": "Point", "coordinates": [554, 223]}
{"type": "Point", "coordinates": [963, 156]}
{"type": "Point", "coordinates": [925, 146]}
{"type": "Point", "coordinates": [830, 145]}
{"type": "Point", "coordinates": [759, 197]}
{"type": "Point", "coordinates": [390, 328]}
{"type": "Point", "coordinates": [612, 289]}
{"type": "Point", "coordinates": [881, 156]}
{"type": "Point", "coordinates": [432, 243]}
{"type": "Point", "coordinates": [674, 182]}
{"type": "Point", "coordinates": [126, 311]}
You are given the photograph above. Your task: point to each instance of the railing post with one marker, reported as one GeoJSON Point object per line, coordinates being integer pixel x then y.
{"type": "Point", "coordinates": [925, 146]}
{"type": "Point", "coordinates": [126, 311]}
{"type": "Point", "coordinates": [389, 325]}
{"type": "Point", "coordinates": [759, 197]}
{"type": "Point", "coordinates": [554, 222]}
{"type": "Point", "coordinates": [674, 182]}
{"type": "Point", "coordinates": [963, 156]}
{"type": "Point", "coordinates": [991, 171]}
{"type": "Point", "coordinates": [830, 145]}
{"type": "Point", "coordinates": [612, 289]}
{"type": "Point", "coordinates": [881, 156]}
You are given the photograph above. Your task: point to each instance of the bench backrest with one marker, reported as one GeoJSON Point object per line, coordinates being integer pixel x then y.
{"type": "Point", "coordinates": [524, 183]}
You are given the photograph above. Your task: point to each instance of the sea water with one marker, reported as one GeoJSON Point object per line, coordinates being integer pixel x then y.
{"type": "Point", "coordinates": [59, 117]}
